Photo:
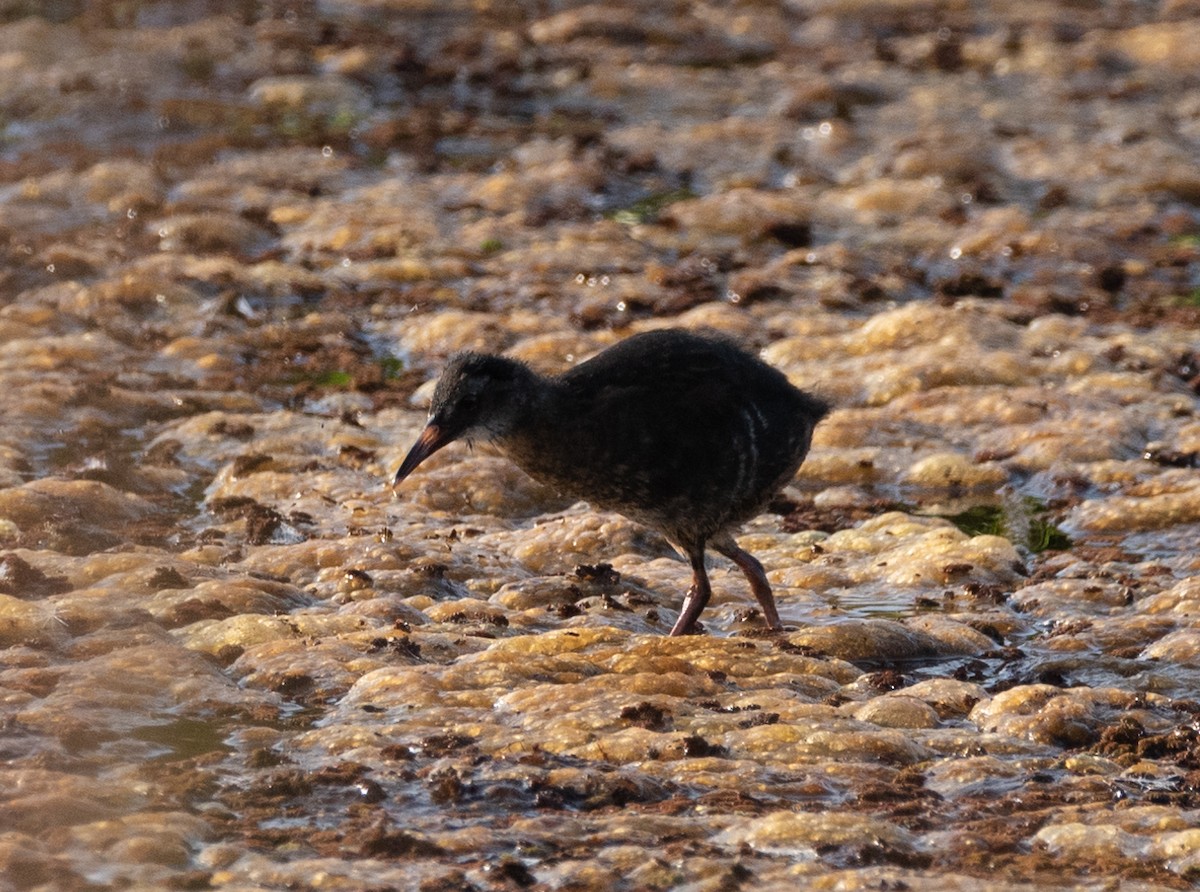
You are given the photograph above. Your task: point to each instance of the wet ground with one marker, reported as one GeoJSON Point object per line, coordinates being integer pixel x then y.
{"type": "Point", "coordinates": [238, 241]}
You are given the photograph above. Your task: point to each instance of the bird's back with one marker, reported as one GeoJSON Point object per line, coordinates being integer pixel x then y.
{"type": "Point", "coordinates": [687, 434]}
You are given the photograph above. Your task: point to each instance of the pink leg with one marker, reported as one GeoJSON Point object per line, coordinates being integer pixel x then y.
{"type": "Point", "coordinates": [750, 566]}
{"type": "Point", "coordinates": [696, 598]}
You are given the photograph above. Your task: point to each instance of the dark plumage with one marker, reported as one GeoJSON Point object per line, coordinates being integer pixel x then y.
{"type": "Point", "coordinates": [686, 434]}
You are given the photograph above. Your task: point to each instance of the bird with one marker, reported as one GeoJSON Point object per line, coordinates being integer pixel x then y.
{"type": "Point", "coordinates": [682, 432]}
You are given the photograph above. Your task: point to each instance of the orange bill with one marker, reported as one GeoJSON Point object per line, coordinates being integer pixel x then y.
{"type": "Point", "coordinates": [430, 441]}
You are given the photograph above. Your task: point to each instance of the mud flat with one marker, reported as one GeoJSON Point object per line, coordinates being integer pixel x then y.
{"type": "Point", "coordinates": [239, 241]}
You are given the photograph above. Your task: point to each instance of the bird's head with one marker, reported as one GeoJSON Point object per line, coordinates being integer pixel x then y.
{"type": "Point", "coordinates": [479, 396]}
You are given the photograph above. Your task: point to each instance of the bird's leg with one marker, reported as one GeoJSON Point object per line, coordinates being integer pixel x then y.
{"type": "Point", "coordinates": [697, 596]}
{"type": "Point", "coordinates": [754, 571]}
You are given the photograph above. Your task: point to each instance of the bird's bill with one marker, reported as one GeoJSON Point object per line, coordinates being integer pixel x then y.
{"type": "Point", "coordinates": [431, 440]}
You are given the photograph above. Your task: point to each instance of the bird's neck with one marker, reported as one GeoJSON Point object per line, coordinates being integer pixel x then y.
{"type": "Point", "coordinates": [534, 419]}
{"type": "Point", "coordinates": [525, 409]}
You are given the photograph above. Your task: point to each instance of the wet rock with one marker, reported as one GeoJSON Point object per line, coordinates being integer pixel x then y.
{"type": "Point", "coordinates": [956, 472]}
{"type": "Point", "coordinates": [1073, 597]}
{"type": "Point", "coordinates": [743, 214]}
{"type": "Point", "coordinates": [121, 185]}
{"type": "Point", "coordinates": [63, 512]}
{"type": "Point", "coordinates": [247, 630]}
{"type": "Point", "coordinates": [898, 712]}
{"type": "Point", "coordinates": [1181, 647]}
{"type": "Point", "coordinates": [875, 640]}
{"type": "Point", "coordinates": [210, 233]}
{"type": "Point", "coordinates": [23, 580]}
{"type": "Point", "coordinates": [547, 181]}
{"type": "Point", "coordinates": [217, 600]}
{"type": "Point", "coordinates": [1172, 498]}
{"type": "Point", "coordinates": [25, 623]}
{"type": "Point", "coordinates": [951, 699]}
{"type": "Point", "coordinates": [490, 485]}
{"type": "Point", "coordinates": [806, 835]}
{"type": "Point", "coordinates": [1071, 718]}
{"type": "Point", "coordinates": [327, 96]}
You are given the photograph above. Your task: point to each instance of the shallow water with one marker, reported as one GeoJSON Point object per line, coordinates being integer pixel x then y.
{"type": "Point", "coordinates": [239, 242]}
